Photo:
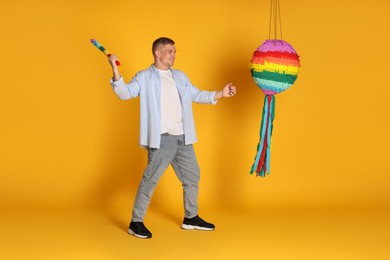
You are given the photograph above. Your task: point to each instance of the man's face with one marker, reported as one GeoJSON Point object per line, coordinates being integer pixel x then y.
{"type": "Point", "coordinates": [166, 54]}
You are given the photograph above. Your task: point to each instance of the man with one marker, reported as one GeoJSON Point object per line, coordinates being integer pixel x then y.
{"type": "Point", "coordinates": [167, 130]}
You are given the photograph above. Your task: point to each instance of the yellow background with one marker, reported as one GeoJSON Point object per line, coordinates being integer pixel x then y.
{"type": "Point", "coordinates": [68, 144]}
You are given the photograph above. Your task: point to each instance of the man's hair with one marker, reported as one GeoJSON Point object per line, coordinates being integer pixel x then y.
{"type": "Point", "coordinates": [163, 41]}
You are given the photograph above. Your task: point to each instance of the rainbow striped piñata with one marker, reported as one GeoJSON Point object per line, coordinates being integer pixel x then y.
{"type": "Point", "coordinates": [274, 67]}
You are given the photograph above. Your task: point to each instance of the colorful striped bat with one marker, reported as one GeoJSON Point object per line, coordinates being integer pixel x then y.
{"type": "Point", "coordinates": [102, 49]}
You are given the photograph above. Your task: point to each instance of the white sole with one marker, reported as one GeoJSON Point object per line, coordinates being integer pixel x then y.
{"type": "Point", "coordinates": [131, 232]}
{"type": "Point", "coordinates": [191, 227]}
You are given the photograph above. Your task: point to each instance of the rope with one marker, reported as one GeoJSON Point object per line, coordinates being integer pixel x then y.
{"type": "Point", "coordinates": [275, 19]}
{"type": "Point", "coordinates": [280, 22]}
{"type": "Point", "coordinates": [270, 22]}
{"type": "Point", "coordinates": [275, 14]}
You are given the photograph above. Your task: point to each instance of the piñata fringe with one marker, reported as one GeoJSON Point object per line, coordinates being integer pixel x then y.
{"type": "Point", "coordinates": [262, 159]}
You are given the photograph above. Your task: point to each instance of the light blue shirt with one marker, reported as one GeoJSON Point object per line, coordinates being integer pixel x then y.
{"type": "Point", "coordinates": [146, 84]}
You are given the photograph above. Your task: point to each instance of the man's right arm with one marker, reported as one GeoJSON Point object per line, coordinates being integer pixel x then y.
{"type": "Point", "coordinates": [122, 90]}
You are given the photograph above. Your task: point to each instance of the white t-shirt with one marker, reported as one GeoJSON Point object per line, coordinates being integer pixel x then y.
{"type": "Point", "coordinates": [171, 115]}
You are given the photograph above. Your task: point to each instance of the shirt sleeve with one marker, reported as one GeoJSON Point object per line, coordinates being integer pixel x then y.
{"type": "Point", "coordinates": [200, 96]}
{"type": "Point", "coordinates": [126, 90]}
{"type": "Point", "coordinates": [203, 96]}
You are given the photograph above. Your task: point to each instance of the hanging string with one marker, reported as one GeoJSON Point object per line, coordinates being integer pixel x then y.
{"type": "Point", "coordinates": [275, 19]}
{"type": "Point", "coordinates": [275, 14]}
{"type": "Point", "coordinates": [270, 22]}
{"type": "Point", "coordinates": [280, 21]}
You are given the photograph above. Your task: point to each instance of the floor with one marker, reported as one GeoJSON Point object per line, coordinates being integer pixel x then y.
{"type": "Point", "coordinates": [263, 233]}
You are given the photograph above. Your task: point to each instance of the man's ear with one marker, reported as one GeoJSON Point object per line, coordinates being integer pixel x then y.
{"type": "Point", "coordinates": [157, 53]}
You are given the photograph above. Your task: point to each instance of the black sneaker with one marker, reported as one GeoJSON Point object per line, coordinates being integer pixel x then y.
{"type": "Point", "coordinates": [196, 223]}
{"type": "Point", "coordinates": [139, 230]}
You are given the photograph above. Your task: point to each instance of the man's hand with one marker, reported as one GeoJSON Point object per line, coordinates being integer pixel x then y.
{"type": "Point", "coordinates": [112, 60]}
{"type": "Point", "coordinates": [228, 91]}
{"type": "Point", "coordinates": [116, 76]}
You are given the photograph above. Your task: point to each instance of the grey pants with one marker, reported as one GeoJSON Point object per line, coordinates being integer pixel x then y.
{"type": "Point", "coordinates": [182, 157]}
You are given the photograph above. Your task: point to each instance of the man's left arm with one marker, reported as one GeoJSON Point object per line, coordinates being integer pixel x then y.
{"type": "Point", "coordinates": [209, 97]}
